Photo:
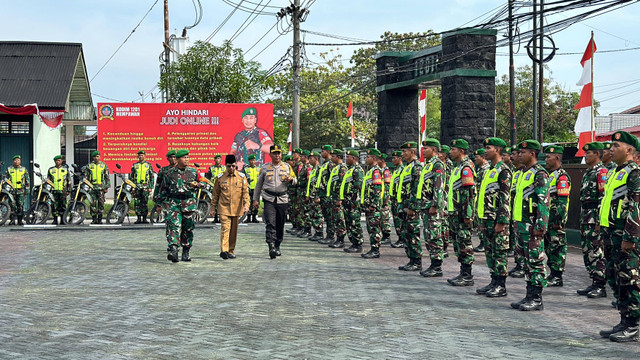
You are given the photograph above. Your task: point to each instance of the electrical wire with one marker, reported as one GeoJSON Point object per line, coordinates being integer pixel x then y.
{"type": "Point", "coordinates": [199, 13]}
{"type": "Point", "coordinates": [223, 23]}
{"type": "Point", "coordinates": [108, 98]}
{"type": "Point", "coordinates": [248, 9]}
{"type": "Point", "coordinates": [125, 40]}
{"type": "Point", "coordinates": [243, 27]}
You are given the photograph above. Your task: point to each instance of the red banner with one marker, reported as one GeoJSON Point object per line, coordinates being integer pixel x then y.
{"type": "Point", "coordinates": [205, 130]}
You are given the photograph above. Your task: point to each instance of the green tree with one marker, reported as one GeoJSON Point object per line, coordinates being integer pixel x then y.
{"type": "Point", "coordinates": [213, 74]}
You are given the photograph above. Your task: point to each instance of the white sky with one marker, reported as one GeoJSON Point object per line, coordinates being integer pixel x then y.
{"type": "Point", "coordinates": [101, 26]}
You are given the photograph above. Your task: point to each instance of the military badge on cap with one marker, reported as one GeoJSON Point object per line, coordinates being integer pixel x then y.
{"type": "Point", "coordinates": [618, 136]}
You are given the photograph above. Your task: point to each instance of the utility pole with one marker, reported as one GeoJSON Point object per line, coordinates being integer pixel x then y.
{"type": "Point", "coordinates": [534, 87]}
{"type": "Point", "coordinates": [165, 96]}
{"type": "Point", "coordinates": [541, 79]}
{"type": "Point", "coordinates": [512, 81]}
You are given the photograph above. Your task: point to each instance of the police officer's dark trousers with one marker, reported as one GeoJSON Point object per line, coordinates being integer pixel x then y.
{"type": "Point", "coordinates": [274, 216]}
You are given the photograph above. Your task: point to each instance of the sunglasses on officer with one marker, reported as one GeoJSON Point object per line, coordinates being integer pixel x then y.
{"type": "Point", "coordinates": [231, 165]}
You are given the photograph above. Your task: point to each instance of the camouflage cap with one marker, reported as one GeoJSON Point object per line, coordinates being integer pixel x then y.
{"type": "Point", "coordinates": [625, 137]}
{"type": "Point", "coordinates": [530, 145]}
{"type": "Point", "coordinates": [94, 153]}
{"type": "Point", "coordinates": [374, 152]}
{"type": "Point", "coordinates": [182, 152]}
{"type": "Point", "coordinates": [596, 145]}
{"type": "Point", "coordinates": [445, 149]}
{"type": "Point", "coordinates": [431, 142]}
{"type": "Point", "coordinates": [337, 152]}
{"type": "Point", "coordinates": [460, 144]}
{"type": "Point", "coordinates": [554, 149]}
{"type": "Point", "coordinates": [171, 153]}
{"type": "Point", "coordinates": [250, 111]}
{"type": "Point", "coordinates": [495, 142]}
{"type": "Point", "coordinates": [251, 157]}
{"type": "Point", "coordinates": [409, 145]}
{"type": "Point", "coordinates": [353, 153]}
{"type": "Point", "coordinates": [57, 157]}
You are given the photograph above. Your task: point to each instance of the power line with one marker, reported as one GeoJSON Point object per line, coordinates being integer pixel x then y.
{"type": "Point", "coordinates": [248, 9]}
{"type": "Point", "coordinates": [108, 98]}
{"type": "Point", "coordinates": [262, 37]}
{"type": "Point", "coordinates": [241, 28]}
{"type": "Point", "coordinates": [125, 40]}
{"type": "Point", "coordinates": [223, 23]}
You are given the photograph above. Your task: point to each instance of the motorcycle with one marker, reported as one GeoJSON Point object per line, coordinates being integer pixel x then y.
{"type": "Point", "coordinates": [6, 198]}
{"type": "Point", "coordinates": [78, 208]}
{"type": "Point", "coordinates": [120, 208]}
{"type": "Point", "coordinates": [41, 200]}
{"type": "Point", "coordinates": [203, 197]}
{"type": "Point", "coordinates": [157, 216]}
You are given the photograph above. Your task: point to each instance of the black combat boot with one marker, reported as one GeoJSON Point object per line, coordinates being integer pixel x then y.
{"type": "Point", "coordinates": [535, 301]}
{"type": "Point", "coordinates": [617, 328]}
{"type": "Point", "coordinates": [555, 279]}
{"type": "Point", "coordinates": [483, 290]}
{"type": "Point", "coordinates": [434, 270]}
{"type": "Point", "coordinates": [631, 332]}
{"type": "Point", "coordinates": [354, 248]}
{"type": "Point", "coordinates": [173, 254]}
{"type": "Point", "coordinates": [527, 297]}
{"type": "Point", "coordinates": [272, 250]}
{"type": "Point", "coordinates": [13, 220]}
{"type": "Point", "coordinates": [185, 253]}
{"type": "Point", "coordinates": [144, 219]}
{"type": "Point", "coordinates": [138, 220]}
{"type": "Point", "coordinates": [599, 290]}
{"type": "Point", "coordinates": [587, 290]}
{"type": "Point", "coordinates": [255, 219]}
{"type": "Point", "coordinates": [278, 253]}
{"type": "Point", "coordinates": [465, 278]}
{"type": "Point", "coordinates": [339, 243]}
{"type": "Point", "coordinates": [328, 240]}
{"type": "Point", "coordinates": [20, 220]}
{"type": "Point", "coordinates": [398, 244]}
{"type": "Point", "coordinates": [99, 219]}
{"type": "Point", "coordinates": [412, 265]}
{"type": "Point", "coordinates": [517, 272]}
{"type": "Point", "coordinates": [55, 220]}
{"type": "Point", "coordinates": [479, 248]}
{"type": "Point", "coordinates": [500, 289]}
{"type": "Point", "coordinates": [317, 237]}
{"type": "Point", "coordinates": [374, 253]}
{"type": "Point", "coordinates": [247, 219]}
{"type": "Point", "coordinates": [386, 239]}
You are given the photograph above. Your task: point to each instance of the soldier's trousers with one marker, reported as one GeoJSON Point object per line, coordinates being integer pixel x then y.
{"type": "Point", "coordinates": [397, 218]}
{"type": "Point", "coordinates": [293, 211]}
{"type": "Point", "coordinates": [555, 245]}
{"type": "Point", "coordinates": [252, 210]}
{"type": "Point", "coordinates": [179, 225]}
{"type": "Point", "coordinates": [352, 222]}
{"type": "Point", "coordinates": [433, 237]}
{"type": "Point", "coordinates": [314, 212]}
{"type": "Point", "coordinates": [535, 259]}
{"type": "Point", "coordinates": [59, 203]}
{"type": "Point", "coordinates": [518, 247]}
{"type": "Point", "coordinates": [623, 272]}
{"type": "Point", "coordinates": [593, 252]}
{"type": "Point", "coordinates": [461, 237]}
{"type": "Point", "coordinates": [326, 204]}
{"type": "Point", "coordinates": [17, 205]}
{"type": "Point", "coordinates": [97, 206]}
{"type": "Point", "coordinates": [301, 217]}
{"type": "Point", "coordinates": [337, 219]}
{"type": "Point", "coordinates": [446, 237]}
{"type": "Point", "coordinates": [385, 220]}
{"type": "Point", "coordinates": [411, 235]}
{"type": "Point", "coordinates": [274, 217]}
{"type": "Point", "coordinates": [374, 227]}
{"type": "Point", "coordinates": [477, 223]}
{"type": "Point", "coordinates": [495, 248]}
{"type": "Point", "coordinates": [141, 196]}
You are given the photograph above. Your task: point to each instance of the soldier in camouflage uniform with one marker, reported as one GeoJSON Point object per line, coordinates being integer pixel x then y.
{"type": "Point", "coordinates": [303, 180]}
{"type": "Point", "coordinates": [290, 190]}
{"type": "Point", "coordinates": [333, 193]}
{"type": "Point", "coordinates": [620, 225]}
{"type": "Point", "coordinates": [591, 194]}
{"type": "Point", "coordinates": [448, 166]}
{"type": "Point", "coordinates": [251, 172]}
{"type": "Point", "coordinates": [494, 212]}
{"type": "Point", "coordinates": [294, 204]}
{"type": "Point", "coordinates": [386, 208]}
{"type": "Point", "coordinates": [97, 172]}
{"type": "Point", "coordinates": [250, 141]}
{"type": "Point", "coordinates": [514, 236]}
{"type": "Point", "coordinates": [19, 177]}
{"type": "Point", "coordinates": [606, 156]}
{"type": "Point", "coordinates": [372, 201]}
{"type": "Point", "coordinates": [461, 212]}
{"type": "Point", "coordinates": [212, 174]}
{"type": "Point", "coordinates": [410, 206]}
{"type": "Point", "coordinates": [506, 159]}
{"type": "Point", "coordinates": [142, 175]}
{"type": "Point", "coordinates": [321, 190]}
{"type": "Point", "coordinates": [531, 212]}
{"type": "Point", "coordinates": [431, 192]}
{"type": "Point", "coordinates": [393, 194]}
{"type": "Point", "coordinates": [482, 165]}
{"type": "Point", "coordinates": [159, 197]}
{"type": "Point", "coordinates": [555, 240]}
{"type": "Point", "coordinates": [350, 188]}
{"type": "Point", "coordinates": [180, 185]}
{"type": "Point", "coordinates": [312, 208]}
{"type": "Point", "coordinates": [61, 179]}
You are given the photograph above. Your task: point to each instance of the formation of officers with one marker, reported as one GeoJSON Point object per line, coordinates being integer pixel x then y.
{"type": "Point", "coordinates": [507, 197]}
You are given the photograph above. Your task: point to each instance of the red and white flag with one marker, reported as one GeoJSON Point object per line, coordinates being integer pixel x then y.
{"type": "Point", "coordinates": [422, 111]}
{"type": "Point", "coordinates": [290, 139]}
{"type": "Point", "coordinates": [584, 121]}
{"type": "Point", "coordinates": [353, 129]}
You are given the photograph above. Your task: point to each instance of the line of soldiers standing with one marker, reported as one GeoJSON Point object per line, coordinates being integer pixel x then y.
{"type": "Point", "coordinates": [514, 202]}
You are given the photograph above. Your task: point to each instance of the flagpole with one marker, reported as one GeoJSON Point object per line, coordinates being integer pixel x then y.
{"type": "Point", "coordinates": [592, 89]}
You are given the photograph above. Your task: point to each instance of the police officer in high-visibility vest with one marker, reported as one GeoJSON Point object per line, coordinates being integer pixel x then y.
{"type": "Point", "coordinates": [372, 200]}
{"type": "Point", "coordinates": [494, 213]}
{"type": "Point", "coordinates": [460, 205]}
{"type": "Point", "coordinates": [350, 189]}
{"type": "Point", "coordinates": [620, 225]}
{"type": "Point", "coordinates": [514, 238]}
{"type": "Point", "coordinates": [19, 178]}
{"type": "Point", "coordinates": [61, 179]}
{"type": "Point", "coordinates": [97, 173]}
{"type": "Point", "coordinates": [531, 212]}
{"type": "Point", "coordinates": [142, 175]}
{"type": "Point", "coordinates": [555, 241]}
{"type": "Point", "coordinates": [431, 193]}
{"type": "Point", "coordinates": [212, 174]}
{"type": "Point", "coordinates": [396, 158]}
{"type": "Point", "coordinates": [410, 206]}
{"type": "Point", "coordinates": [251, 171]}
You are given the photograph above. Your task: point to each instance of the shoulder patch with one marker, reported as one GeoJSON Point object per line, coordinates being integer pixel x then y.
{"type": "Point", "coordinates": [220, 175]}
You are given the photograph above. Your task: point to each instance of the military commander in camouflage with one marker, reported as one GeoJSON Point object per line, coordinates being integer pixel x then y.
{"type": "Point", "coordinates": [250, 141]}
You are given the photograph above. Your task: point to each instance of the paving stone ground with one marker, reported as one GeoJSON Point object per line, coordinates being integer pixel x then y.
{"type": "Point", "coordinates": [111, 294]}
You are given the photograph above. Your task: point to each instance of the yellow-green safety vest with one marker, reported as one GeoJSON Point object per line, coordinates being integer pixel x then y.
{"type": "Point", "coordinates": [314, 173]}
{"type": "Point", "coordinates": [490, 178]}
{"type": "Point", "coordinates": [334, 172]}
{"type": "Point", "coordinates": [426, 170]}
{"type": "Point", "coordinates": [406, 171]}
{"type": "Point", "coordinates": [366, 185]}
{"type": "Point", "coordinates": [59, 175]}
{"type": "Point", "coordinates": [322, 169]}
{"type": "Point", "coordinates": [394, 176]}
{"type": "Point", "coordinates": [524, 190]}
{"type": "Point", "coordinates": [253, 173]}
{"type": "Point", "coordinates": [141, 172]}
{"type": "Point", "coordinates": [16, 176]}
{"type": "Point", "coordinates": [346, 182]}
{"type": "Point", "coordinates": [96, 173]}
{"type": "Point", "coordinates": [614, 189]}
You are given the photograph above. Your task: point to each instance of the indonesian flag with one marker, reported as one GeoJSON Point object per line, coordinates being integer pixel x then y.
{"type": "Point", "coordinates": [350, 117]}
{"type": "Point", "coordinates": [51, 118]}
{"type": "Point", "coordinates": [290, 138]}
{"type": "Point", "coordinates": [422, 111]}
{"type": "Point", "coordinates": [583, 123]}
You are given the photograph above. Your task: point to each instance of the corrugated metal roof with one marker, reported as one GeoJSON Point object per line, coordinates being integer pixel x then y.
{"type": "Point", "coordinates": [38, 72]}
